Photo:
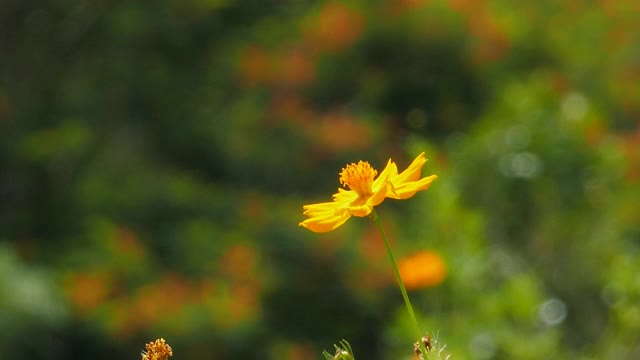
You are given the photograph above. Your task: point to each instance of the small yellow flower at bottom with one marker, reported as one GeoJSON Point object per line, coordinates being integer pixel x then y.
{"type": "Point", "coordinates": [366, 191]}
{"type": "Point", "coordinates": [158, 350]}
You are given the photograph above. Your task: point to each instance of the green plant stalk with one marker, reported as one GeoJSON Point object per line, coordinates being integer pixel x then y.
{"type": "Point", "coordinates": [403, 290]}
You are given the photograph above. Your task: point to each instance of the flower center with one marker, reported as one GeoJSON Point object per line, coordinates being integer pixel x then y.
{"type": "Point", "coordinates": [358, 177]}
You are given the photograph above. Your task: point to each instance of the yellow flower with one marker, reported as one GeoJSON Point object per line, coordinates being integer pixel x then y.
{"type": "Point", "coordinates": [366, 191]}
{"type": "Point", "coordinates": [158, 350]}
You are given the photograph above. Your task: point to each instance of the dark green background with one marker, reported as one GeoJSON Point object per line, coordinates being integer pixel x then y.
{"type": "Point", "coordinates": [155, 155]}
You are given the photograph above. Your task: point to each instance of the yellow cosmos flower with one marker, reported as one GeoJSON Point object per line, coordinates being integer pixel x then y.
{"type": "Point", "coordinates": [366, 191]}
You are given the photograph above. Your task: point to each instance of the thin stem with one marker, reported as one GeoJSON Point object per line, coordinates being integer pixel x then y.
{"type": "Point", "coordinates": [403, 290]}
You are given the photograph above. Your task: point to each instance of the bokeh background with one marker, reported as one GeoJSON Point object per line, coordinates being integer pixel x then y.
{"type": "Point", "coordinates": [155, 156]}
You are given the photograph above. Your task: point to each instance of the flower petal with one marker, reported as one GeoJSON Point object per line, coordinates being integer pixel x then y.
{"type": "Point", "coordinates": [412, 173]}
{"type": "Point", "coordinates": [360, 210]}
{"type": "Point", "coordinates": [407, 190]}
{"type": "Point", "coordinates": [378, 196]}
{"type": "Point", "coordinates": [345, 196]}
{"type": "Point", "coordinates": [322, 208]}
{"type": "Point", "coordinates": [390, 171]}
{"type": "Point", "coordinates": [326, 222]}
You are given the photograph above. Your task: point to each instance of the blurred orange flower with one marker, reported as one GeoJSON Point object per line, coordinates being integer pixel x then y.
{"type": "Point", "coordinates": [240, 262]}
{"type": "Point", "coordinates": [256, 66]}
{"type": "Point", "coordinates": [295, 68]}
{"type": "Point", "coordinates": [334, 131]}
{"type": "Point", "coordinates": [366, 192]}
{"type": "Point", "coordinates": [336, 27]}
{"type": "Point", "coordinates": [88, 291]}
{"type": "Point", "coordinates": [421, 270]}
{"type": "Point", "coordinates": [157, 302]}
{"type": "Point", "coordinates": [301, 352]}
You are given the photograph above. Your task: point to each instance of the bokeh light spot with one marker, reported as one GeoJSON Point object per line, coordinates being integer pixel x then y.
{"type": "Point", "coordinates": [552, 312]}
{"type": "Point", "coordinates": [522, 165]}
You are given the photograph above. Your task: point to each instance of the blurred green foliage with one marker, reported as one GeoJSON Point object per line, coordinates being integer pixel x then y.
{"type": "Point", "coordinates": [155, 157]}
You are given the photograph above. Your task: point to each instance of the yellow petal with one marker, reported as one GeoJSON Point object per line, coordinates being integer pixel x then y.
{"type": "Point", "coordinates": [390, 171]}
{"type": "Point", "coordinates": [412, 173]}
{"type": "Point", "coordinates": [407, 190]}
{"type": "Point", "coordinates": [326, 222]}
{"type": "Point", "coordinates": [360, 210]}
{"type": "Point", "coordinates": [346, 196]}
{"type": "Point", "coordinates": [321, 208]}
{"type": "Point", "coordinates": [378, 196]}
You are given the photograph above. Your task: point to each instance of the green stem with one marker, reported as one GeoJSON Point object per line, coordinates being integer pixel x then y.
{"type": "Point", "coordinates": [403, 290]}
